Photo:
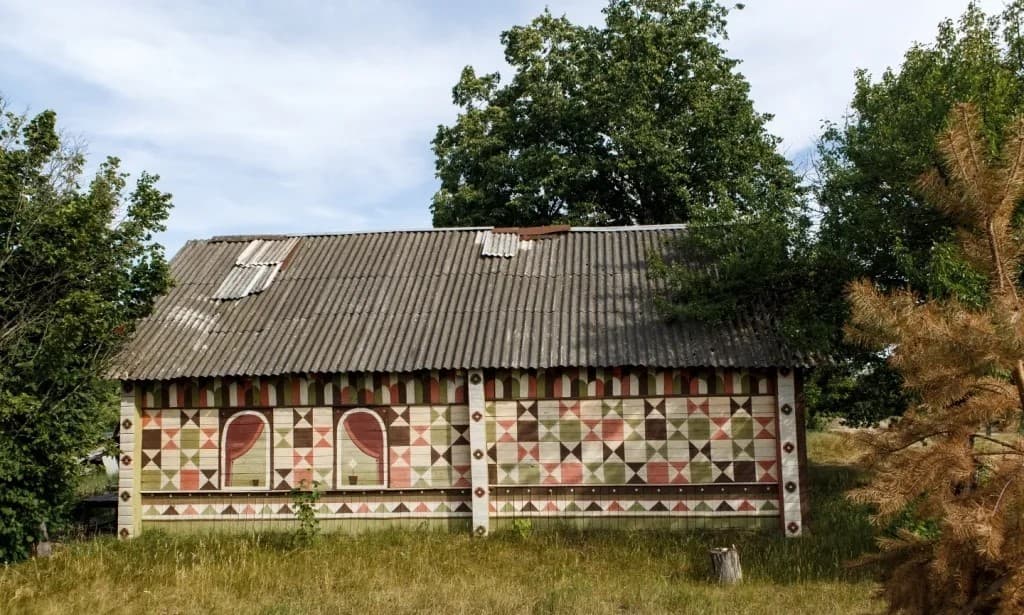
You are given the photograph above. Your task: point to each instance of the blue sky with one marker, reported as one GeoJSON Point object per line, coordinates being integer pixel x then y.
{"type": "Point", "coordinates": [311, 117]}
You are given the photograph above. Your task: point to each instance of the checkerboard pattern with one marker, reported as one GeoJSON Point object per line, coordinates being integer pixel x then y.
{"type": "Point", "coordinates": [645, 429]}
{"type": "Point", "coordinates": [658, 440]}
{"type": "Point", "coordinates": [429, 446]}
{"type": "Point", "coordinates": [303, 447]}
{"type": "Point", "coordinates": [179, 450]}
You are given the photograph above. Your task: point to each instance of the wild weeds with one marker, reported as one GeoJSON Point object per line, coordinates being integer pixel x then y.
{"type": "Point", "coordinates": [407, 571]}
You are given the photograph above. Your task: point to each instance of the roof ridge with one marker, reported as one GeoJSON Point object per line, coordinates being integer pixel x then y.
{"type": "Point", "coordinates": [446, 229]}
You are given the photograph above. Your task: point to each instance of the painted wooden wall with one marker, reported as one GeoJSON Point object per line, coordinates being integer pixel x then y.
{"type": "Point", "coordinates": [680, 446]}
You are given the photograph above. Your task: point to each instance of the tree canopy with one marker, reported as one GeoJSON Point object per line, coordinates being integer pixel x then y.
{"type": "Point", "coordinates": [644, 120]}
{"type": "Point", "coordinates": [77, 267]}
{"type": "Point", "coordinates": [873, 219]}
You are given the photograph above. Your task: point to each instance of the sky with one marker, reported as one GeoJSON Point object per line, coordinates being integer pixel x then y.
{"type": "Point", "coordinates": [312, 117]}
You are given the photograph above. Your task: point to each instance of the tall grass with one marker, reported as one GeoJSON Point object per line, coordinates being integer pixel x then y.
{"type": "Point", "coordinates": [561, 571]}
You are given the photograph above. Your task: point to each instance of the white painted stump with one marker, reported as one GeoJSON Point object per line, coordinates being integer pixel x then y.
{"type": "Point", "coordinates": [44, 548]}
{"type": "Point", "coordinates": [725, 565]}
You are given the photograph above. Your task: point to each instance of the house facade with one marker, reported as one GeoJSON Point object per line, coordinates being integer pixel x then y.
{"type": "Point", "coordinates": [462, 378]}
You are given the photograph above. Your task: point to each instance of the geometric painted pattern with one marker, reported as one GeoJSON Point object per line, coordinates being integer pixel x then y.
{"type": "Point", "coordinates": [597, 383]}
{"type": "Point", "coordinates": [411, 507]}
{"type": "Point", "coordinates": [434, 387]}
{"type": "Point", "coordinates": [179, 450]}
{"type": "Point", "coordinates": [547, 433]}
{"type": "Point", "coordinates": [655, 440]}
{"type": "Point", "coordinates": [429, 446]}
{"type": "Point", "coordinates": [641, 506]}
{"type": "Point", "coordinates": [268, 509]}
{"type": "Point", "coordinates": [294, 438]}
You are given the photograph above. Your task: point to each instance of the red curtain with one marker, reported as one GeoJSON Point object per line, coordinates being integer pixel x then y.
{"type": "Point", "coordinates": [365, 432]}
{"type": "Point", "coordinates": [242, 435]}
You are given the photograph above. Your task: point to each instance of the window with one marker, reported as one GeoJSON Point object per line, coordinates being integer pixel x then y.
{"type": "Point", "coordinates": [361, 450]}
{"type": "Point", "coordinates": [246, 452]}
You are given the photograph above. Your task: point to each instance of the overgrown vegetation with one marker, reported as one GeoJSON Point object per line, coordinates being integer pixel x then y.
{"type": "Point", "coordinates": [873, 220]}
{"type": "Point", "coordinates": [304, 501]}
{"type": "Point", "coordinates": [961, 505]}
{"type": "Point", "coordinates": [77, 268]}
{"type": "Point", "coordinates": [532, 571]}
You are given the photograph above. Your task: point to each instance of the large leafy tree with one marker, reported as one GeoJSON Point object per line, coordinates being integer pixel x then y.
{"type": "Point", "coordinates": [962, 360]}
{"type": "Point", "coordinates": [77, 267]}
{"type": "Point", "coordinates": [643, 120]}
{"type": "Point", "coordinates": [873, 220]}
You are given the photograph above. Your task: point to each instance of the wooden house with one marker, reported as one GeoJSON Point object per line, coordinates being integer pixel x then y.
{"type": "Point", "coordinates": [457, 377]}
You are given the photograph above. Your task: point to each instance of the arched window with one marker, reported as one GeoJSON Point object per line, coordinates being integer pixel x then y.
{"type": "Point", "coordinates": [362, 450]}
{"type": "Point", "coordinates": [245, 452]}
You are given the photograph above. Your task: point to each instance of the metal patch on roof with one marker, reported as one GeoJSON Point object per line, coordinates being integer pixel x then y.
{"type": "Point", "coordinates": [255, 268]}
{"type": "Point", "coordinates": [503, 245]}
{"type": "Point", "coordinates": [266, 252]}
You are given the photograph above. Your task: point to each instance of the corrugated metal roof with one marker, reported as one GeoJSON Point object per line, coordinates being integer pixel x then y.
{"type": "Point", "coordinates": [413, 300]}
{"type": "Point", "coordinates": [255, 268]}
{"type": "Point", "coordinates": [499, 244]}
{"type": "Point", "coordinates": [266, 251]}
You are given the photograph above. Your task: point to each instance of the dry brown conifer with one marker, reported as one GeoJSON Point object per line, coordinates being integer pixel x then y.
{"type": "Point", "coordinates": [963, 552]}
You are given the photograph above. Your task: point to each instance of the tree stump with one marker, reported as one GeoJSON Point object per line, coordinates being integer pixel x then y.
{"type": "Point", "coordinates": [44, 548]}
{"type": "Point", "coordinates": [725, 565]}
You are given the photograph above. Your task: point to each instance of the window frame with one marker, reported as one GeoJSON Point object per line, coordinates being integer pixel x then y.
{"type": "Point", "coordinates": [268, 433]}
{"type": "Point", "coordinates": [339, 474]}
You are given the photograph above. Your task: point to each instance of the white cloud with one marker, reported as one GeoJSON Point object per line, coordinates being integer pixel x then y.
{"type": "Point", "coordinates": [800, 55]}
{"type": "Point", "coordinates": [318, 116]}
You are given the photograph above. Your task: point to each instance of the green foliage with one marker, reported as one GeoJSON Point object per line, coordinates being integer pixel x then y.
{"type": "Point", "coordinates": [644, 120]}
{"type": "Point", "coordinates": [874, 222]}
{"type": "Point", "coordinates": [304, 500]}
{"type": "Point", "coordinates": [862, 393]}
{"type": "Point", "coordinates": [77, 268]}
{"type": "Point", "coordinates": [522, 528]}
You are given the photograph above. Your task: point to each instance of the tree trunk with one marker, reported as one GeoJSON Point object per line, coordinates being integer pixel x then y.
{"type": "Point", "coordinates": [725, 565]}
{"type": "Point", "coordinates": [1018, 378]}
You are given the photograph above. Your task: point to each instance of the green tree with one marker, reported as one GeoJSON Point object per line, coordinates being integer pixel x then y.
{"type": "Point", "coordinates": [873, 221]}
{"type": "Point", "coordinates": [644, 120]}
{"type": "Point", "coordinates": [77, 267]}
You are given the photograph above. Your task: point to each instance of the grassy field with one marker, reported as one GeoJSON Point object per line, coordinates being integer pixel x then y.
{"type": "Point", "coordinates": [408, 572]}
